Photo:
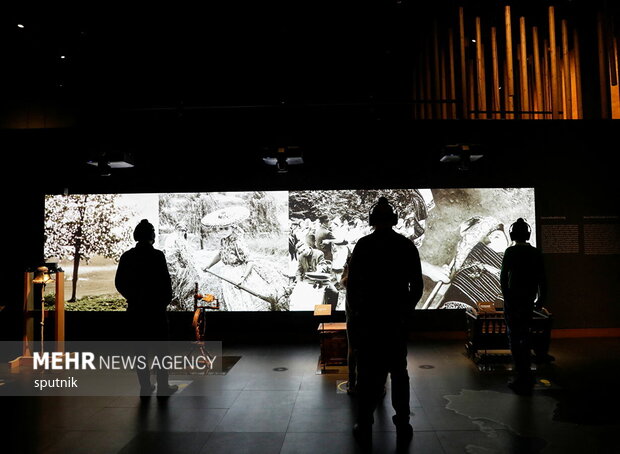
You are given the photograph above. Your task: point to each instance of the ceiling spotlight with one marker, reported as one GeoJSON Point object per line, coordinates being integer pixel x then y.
{"type": "Point", "coordinates": [20, 25]}
{"type": "Point", "coordinates": [283, 158]}
{"type": "Point", "coordinates": [461, 154]}
{"type": "Point", "coordinates": [106, 161]}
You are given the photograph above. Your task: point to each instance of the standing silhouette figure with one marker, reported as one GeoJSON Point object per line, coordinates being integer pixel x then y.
{"type": "Point", "coordinates": [383, 287]}
{"type": "Point", "coordinates": [142, 277]}
{"type": "Point", "coordinates": [523, 283]}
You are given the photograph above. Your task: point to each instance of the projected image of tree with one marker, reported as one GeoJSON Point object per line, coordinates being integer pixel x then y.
{"type": "Point", "coordinates": [81, 226]}
{"type": "Point", "coordinates": [182, 213]}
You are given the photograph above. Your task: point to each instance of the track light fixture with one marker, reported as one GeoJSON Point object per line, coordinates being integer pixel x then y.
{"type": "Point", "coordinates": [106, 161]}
{"type": "Point", "coordinates": [460, 154]}
{"type": "Point", "coordinates": [283, 157]}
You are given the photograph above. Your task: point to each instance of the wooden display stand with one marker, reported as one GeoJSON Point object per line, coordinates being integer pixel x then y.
{"type": "Point", "coordinates": [332, 338]}
{"type": "Point", "coordinates": [334, 344]}
{"type": "Point", "coordinates": [487, 332]}
{"type": "Point", "coordinates": [31, 313]}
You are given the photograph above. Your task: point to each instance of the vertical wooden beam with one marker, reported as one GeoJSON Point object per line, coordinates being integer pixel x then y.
{"type": "Point", "coordinates": [560, 80]}
{"type": "Point", "coordinates": [568, 114]}
{"type": "Point", "coordinates": [614, 88]}
{"type": "Point", "coordinates": [538, 88]}
{"type": "Point", "coordinates": [504, 89]}
{"type": "Point", "coordinates": [573, 87]}
{"type": "Point", "coordinates": [495, 92]}
{"type": "Point", "coordinates": [510, 81]}
{"type": "Point", "coordinates": [616, 46]}
{"type": "Point", "coordinates": [472, 94]}
{"type": "Point", "coordinates": [562, 90]}
{"type": "Point", "coordinates": [444, 89]}
{"type": "Point", "coordinates": [617, 52]}
{"type": "Point", "coordinates": [484, 66]}
{"type": "Point", "coordinates": [531, 78]}
{"type": "Point", "coordinates": [546, 77]}
{"type": "Point", "coordinates": [525, 94]}
{"type": "Point", "coordinates": [602, 67]}
{"type": "Point", "coordinates": [577, 70]}
{"type": "Point", "coordinates": [613, 60]}
{"type": "Point", "coordinates": [519, 86]}
{"type": "Point", "coordinates": [452, 93]}
{"type": "Point", "coordinates": [482, 92]}
{"type": "Point", "coordinates": [553, 58]}
{"type": "Point", "coordinates": [429, 85]}
{"type": "Point", "coordinates": [437, 74]}
{"type": "Point", "coordinates": [464, 90]}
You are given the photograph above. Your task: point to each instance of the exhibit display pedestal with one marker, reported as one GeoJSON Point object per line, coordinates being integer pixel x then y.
{"type": "Point", "coordinates": [486, 334]}
{"type": "Point", "coordinates": [30, 313]}
{"type": "Point", "coordinates": [334, 345]}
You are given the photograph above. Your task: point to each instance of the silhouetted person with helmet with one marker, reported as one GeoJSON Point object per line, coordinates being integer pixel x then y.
{"type": "Point", "coordinates": [383, 288]}
{"type": "Point", "coordinates": [142, 277]}
{"type": "Point", "coordinates": [523, 284]}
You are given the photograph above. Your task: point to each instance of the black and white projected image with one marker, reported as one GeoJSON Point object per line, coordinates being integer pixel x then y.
{"type": "Point", "coordinates": [461, 235]}
{"type": "Point", "coordinates": [85, 235]}
{"type": "Point", "coordinates": [232, 244]}
{"type": "Point", "coordinates": [325, 226]}
{"type": "Point", "coordinates": [467, 234]}
{"type": "Point", "coordinates": [279, 250]}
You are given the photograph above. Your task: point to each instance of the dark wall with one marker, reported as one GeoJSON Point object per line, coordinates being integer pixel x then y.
{"type": "Point", "coordinates": [569, 164]}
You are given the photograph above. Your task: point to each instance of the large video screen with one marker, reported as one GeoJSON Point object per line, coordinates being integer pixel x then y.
{"type": "Point", "coordinates": [282, 250]}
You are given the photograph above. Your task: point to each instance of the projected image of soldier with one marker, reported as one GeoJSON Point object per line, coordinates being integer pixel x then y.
{"type": "Point", "coordinates": [313, 269]}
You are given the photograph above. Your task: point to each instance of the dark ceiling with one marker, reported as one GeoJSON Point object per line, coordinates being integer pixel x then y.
{"type": "Point", "coordinates": [216, 54]}
{"type": "Point", "coordinates": [107, 55]}
{"type": "Point", "coordinates": [238, 75]}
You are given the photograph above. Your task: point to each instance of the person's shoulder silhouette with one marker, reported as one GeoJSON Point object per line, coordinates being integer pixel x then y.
{"type": "Point", "coordinates": [385, 260]}
{"type": "Point", "coordinates": [523, 272]}
{"type": "Point", "coordinates": [142, 275]}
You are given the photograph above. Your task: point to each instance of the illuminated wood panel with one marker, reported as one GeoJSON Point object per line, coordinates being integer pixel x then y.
{"type": "Point", "coordinates": [515, 64]}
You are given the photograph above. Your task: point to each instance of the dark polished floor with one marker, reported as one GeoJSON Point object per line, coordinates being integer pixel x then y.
{"type": "Point", "coordinates": [255, 409]}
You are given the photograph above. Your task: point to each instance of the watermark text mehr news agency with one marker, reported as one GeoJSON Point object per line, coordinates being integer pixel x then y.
{"type": "Point", "coordinates": [90, 361]}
